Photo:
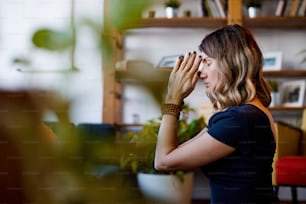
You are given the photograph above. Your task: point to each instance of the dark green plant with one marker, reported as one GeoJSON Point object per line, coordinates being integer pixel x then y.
{"type": "Point", "coordinates": [253, 3]}
{"type": "Point", "coordinates": [274, 85]}
{"type": "Point", "coordinates": [172, 3]}
{"type": "Point", "coordinates": [140, 146]}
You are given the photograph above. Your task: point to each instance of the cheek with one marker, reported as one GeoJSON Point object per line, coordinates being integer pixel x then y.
{"type": "Point", "coordinates": [213, 73]}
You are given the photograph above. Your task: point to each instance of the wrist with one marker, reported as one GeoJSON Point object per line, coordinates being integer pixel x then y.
{"type": "Point", "coordinates": [172, 109]}
{"type": "Point", "coordinates": [173, 100]}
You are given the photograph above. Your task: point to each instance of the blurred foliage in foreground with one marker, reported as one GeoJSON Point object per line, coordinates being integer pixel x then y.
{"type": "Point", "coordinates": [51, 166]}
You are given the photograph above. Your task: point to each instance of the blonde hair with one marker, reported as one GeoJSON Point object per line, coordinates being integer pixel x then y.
{"type": "Point", "coordinates": [240, 62]}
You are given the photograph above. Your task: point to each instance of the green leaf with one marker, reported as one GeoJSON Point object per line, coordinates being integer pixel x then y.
{"type": "Point", "coordinates": [134, 166]}
{"type": "Point", "coordinates": [124, 13]}
{"type": "Point", "coordinates": [21, 60]}
{"type": "Point", "coordinates": [180, 175]}
{"type": "Point", "coordinates": [52, 40]}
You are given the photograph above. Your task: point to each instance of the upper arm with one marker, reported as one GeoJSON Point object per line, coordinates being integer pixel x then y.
{"type": "Point", "coordinates": [201, 150]}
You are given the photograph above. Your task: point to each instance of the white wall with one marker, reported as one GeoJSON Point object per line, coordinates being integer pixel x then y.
{"type": "Point", "coordinates": [19, 19]}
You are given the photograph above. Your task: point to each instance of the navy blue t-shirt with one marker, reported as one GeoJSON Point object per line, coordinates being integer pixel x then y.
{"type": "Point", "coordinates": [244, 175]}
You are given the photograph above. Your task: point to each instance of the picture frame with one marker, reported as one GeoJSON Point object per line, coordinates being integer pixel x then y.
{"type": "Point", "coordinates": [168, 61]}
{"type": "Point", "coordinates": [272, 61]}
{"type": "Point", "coordinates": [293, 93]}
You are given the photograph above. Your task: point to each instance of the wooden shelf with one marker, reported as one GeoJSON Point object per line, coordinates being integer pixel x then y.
{"type": "Point", "coordinates": [180, 22]}
{"type": "Point", "coordinates": [153, 75]}
{"type": "Point", "coordinates": [159, 75]}
{"type": "Point", "coordinates": [275, 22]}
{"type": "Point", "coordinates": [287, 108]}
{"type": "Point", "coordinates": [286, 73]}
{"type": "Point", "coordinates": [272, 22]}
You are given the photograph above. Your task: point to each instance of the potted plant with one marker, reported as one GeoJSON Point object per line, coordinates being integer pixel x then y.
{"type": "Point", "coordinates": [172, 7]}
{"type": "Point", "coordinates": [254, 8]}
{"type": "Point", "coordinates": [274, 92]}
{"type": "Point", "coordinates": [139, 158]}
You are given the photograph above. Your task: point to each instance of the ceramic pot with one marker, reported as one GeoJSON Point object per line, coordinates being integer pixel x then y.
{"type": "Point", "coordinates": [166, 188]}
{"type": "Point", "coordinates": [254, 12]}
{"type": "Point", "coordinates": [275, 99]}
{"type": "Point", "coordinates": [171, 12]}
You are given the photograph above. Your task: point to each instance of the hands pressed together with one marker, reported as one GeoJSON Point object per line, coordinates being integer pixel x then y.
{"type": "Point", "coordinates": [183, 78]}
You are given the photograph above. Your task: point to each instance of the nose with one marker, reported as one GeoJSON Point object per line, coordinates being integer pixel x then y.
{"type": "Point", "coordinates": [202, 74]}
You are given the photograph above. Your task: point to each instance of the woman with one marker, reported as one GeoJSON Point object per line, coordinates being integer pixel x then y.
{"type": "Point", "coordinates": [236, 148]}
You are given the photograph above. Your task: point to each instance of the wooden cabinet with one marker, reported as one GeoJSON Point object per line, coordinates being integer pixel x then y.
{"type": "Point", "coordinates": [112, 78]}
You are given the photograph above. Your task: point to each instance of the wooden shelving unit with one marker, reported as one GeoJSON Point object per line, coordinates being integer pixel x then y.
{"type": "Point", "coordinates": [113, 78]}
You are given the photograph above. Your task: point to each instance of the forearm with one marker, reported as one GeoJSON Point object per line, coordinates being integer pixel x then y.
{"type": "Point", "coordinates": [167, 139]}
{"type": "Point", "coordinates": [182, 81]}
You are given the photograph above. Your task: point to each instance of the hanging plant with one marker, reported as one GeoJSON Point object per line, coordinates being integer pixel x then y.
{"type": "Point", "coordinates": [172, 3]}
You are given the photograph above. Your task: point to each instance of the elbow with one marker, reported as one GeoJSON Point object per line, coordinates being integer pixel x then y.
{"type": "Point", "coordinates": [161, 166]}
{"type": "Point", "coordinates": [157, 165]}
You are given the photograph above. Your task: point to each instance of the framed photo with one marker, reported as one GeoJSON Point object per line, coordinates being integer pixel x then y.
{"type": "Point", "coordinates": [293, 93]}
{"type": "Point", "coordinates": [272, 61]}
{"type": "Point", "coordinates": [168, 61]}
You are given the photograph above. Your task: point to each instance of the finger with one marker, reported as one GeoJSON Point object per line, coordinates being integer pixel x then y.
{"type": "Point", "coordinates": [185, 61]}
{"type": "Point", "coordinates": [190, 62]}
{"type": "Point", "coordinates": [196, 64]}
{"type": "Point", "coordinates": [195, 69]}
{"type": "Point", "coordinates": [178, 63]}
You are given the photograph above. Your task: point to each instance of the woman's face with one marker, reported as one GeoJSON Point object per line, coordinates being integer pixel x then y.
{"type": "Point", "coordinates": [209, 72]}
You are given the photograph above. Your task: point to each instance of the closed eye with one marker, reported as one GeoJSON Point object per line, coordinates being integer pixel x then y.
{"type": "Point", "coordinates": [207, 62]}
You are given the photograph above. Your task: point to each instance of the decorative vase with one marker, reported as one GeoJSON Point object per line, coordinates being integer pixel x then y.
{"type": "Point", "coordinates": [171, 12]}
{"type": "Point", "coordinates": [151, 14]}
{"type": "Point", "coordinates": [254, 11]}
{"type": "Point", "coordinates": [275, 99]}
{"type": "Point", "coordinates": [166, 188]}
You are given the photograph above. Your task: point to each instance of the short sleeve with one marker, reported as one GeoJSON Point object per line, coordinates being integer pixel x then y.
{"type": "Point", "coordinates": [229, 127]}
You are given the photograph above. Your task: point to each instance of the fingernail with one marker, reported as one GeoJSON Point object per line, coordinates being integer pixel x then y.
{"type": "Point", "coordinates": [194, 52]}
{"type": "Point", "coordinates": [199, 73]}
{"type": "Point", "coordinates": [189, 53]}
{"type": "Point", "coordinates": [181, 57]}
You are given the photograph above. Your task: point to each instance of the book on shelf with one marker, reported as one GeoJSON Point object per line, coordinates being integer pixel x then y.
{"type": "Point", "coordinates": [280, 9]}
{"type": "Point", "coordinates": [205, 8]}
{"type": "Point", "coordinates": [213, 8]}
{"type": "Point", "coordinates": [302, 8]}
{"type": "Point", "coordinates": [294, 7]}
{"type": "Point", "coordinates": [221, 7]}
{"type": "Point", "coordinates": [291, 8]}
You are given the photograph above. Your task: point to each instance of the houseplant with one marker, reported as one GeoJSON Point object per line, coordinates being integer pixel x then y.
{"type": "Point", "coordinates": [172, 7]}
{"type": "Point", "coordinates": [274, 92]}
{"type": "Point", "coordinates": [139, 158]}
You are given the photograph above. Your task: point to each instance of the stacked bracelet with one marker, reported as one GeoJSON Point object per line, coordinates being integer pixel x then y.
{"type": "Point", "coordinates": [171, 109]}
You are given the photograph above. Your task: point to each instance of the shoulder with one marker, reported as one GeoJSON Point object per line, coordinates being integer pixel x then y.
{"type": "Point", "coordinates": [235, 113]}
{"type": "Point", "coordinates": [233, 124]}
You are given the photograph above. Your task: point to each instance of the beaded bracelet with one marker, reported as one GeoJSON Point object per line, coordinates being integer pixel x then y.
{"type": "Point", "coordinates": [171, 109]}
